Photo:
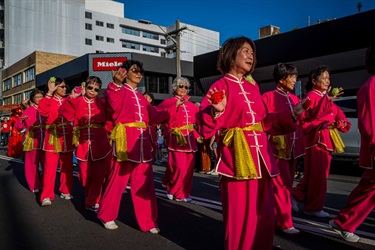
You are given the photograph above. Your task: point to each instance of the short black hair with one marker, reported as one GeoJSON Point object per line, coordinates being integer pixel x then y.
{"type": "Point", "coordinates": [281, 71]}
{"type": "Point", "coordinates": [314, 75]}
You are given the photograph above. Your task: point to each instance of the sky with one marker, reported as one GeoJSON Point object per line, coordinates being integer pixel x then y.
{"type": "Point", "coordinates": [240, 17]}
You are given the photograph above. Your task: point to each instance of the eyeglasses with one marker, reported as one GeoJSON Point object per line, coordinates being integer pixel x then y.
{"type": "Point", "coordinates": [183, 86]}
{"type": "Point", "coordinates": [63, 87]}
{"type": "Point", "coordinates": [137, 71]}
{"type": "Point", "coordinates": [92, 88]}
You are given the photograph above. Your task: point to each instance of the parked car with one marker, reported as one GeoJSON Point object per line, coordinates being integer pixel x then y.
{"type": "Point", "coordinates": [351, 139]}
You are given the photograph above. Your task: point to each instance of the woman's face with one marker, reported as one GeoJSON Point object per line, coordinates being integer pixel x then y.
{"type": "Point", "coordinates": [322, 84]}
{"type": "Point", "coordinates": [182, 89]}
{"type": "Point", "coordinates": [288, 83]}
{"type": "Point", "coordinates": [135, 75]}
{"type": "Point", "coordinates": [37, 98]}
{"type": "Point", "coordinates": [61, 90]}
{"type": "Point", "coordinates": [92, 90]}
{"type": "Point", "coordinates": [244, 59]}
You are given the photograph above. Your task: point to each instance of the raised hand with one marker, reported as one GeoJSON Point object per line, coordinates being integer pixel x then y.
{"type": "Point", "coordinates": [77, 91]}
{"type": "Point", "coordinates": [51, 87]}
{"type": "Point", "coordinates": [218, 104]}
{"type": "Point", "coordinates": [182, 100]}
{"type": "Point", "coordinates": [333, 94]}
{"type": "Point", "coordinates": [119, 76]}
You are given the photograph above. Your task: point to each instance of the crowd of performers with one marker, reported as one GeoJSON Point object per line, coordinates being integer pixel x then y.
{"type": "Point", "coordinates": [259, 140]}
{"type": "Point", "coordinates": [11, 137]}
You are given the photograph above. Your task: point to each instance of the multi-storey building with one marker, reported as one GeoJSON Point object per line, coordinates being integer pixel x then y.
{"type": "Point", "coordinates": [79, 27]}
{"type": "Point", "coordinates": [339, 43]}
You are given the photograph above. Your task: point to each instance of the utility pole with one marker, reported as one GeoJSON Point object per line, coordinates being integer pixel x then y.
{"type": "Point", "coordinates": [177, 43]}
{"type": "Point", "coordinates": [178, 50]}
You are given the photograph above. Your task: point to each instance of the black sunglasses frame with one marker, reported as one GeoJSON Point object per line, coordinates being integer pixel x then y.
{"type": "Point", "coordinates": [92, 88]}
{"type": "Point", "coordinates": [180, 86]}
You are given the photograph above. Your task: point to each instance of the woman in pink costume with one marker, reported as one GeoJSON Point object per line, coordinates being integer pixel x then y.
{"type": "Point", "coordinates": [87, 112]}
{"type": "Point", "coordinates": [33, 122]}
{"type": "Point", "coordinates": [361, 201]}
{"type": "Point", "coordinates": [321, 123]}
{"type": "Point", "coordinates": [286, 148]}
{"type": "Point", "coordinates": [246, 164]}
{"type": "Point", "coordinates": [181, 141]}
{"type": "Point", "coordinates": [57, 145]}
{"type": "Point", "coordinates": [15, 147]}
{"type": "Point", "coordinates": [132, 160]}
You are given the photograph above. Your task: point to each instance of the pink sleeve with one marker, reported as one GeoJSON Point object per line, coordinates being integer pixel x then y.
{"type": "Point", "coordinates": [113, 94]}
{"type": "Point", "coordinates": [68, 108]}
{"type": "Point", "coordinates": [45, 106]}
{"type": "Point", "coordinates": [20, 125]}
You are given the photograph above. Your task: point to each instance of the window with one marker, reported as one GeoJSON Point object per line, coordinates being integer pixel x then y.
{"type": "Point", "coordinates": [150, 49]}
{"type": "Point", "coordinates": [88, 26]}
{"type": "Point", "coordinates": [99, 23]}
{"type": "Point", "coordinates": [100, 38]}
{"type": "Point", "coordinates": [18, 98]}
{"type": "Point", "coordinates": [110, 40]}
{"type": "Point", "coordinates": [163, 54]}
{"type": "Point", "coordinates": [88, 41]}
{"type": "Point", "coordinates": [29, 74]}
{"type": "Point", "coordinates": [110, 25]}
{"type": "Point", "coordinates": [7, 84]}
{"type": "Point", "coordinates": [131, 45]}
{"type": "Point", "coordinates": [162, 41]}
{"type": "Point", "coordinates": [7, 100]}
{"type": "Point", "coordinates": [156, 84]}
{"type": "Point", "coordinates": [131, 32]}
{"type": "Point", "coordinates": [27, 94]}
{"type": "Point", "coordinates": [88, 15]}
{"type": "Point", "coordinates": [17, 79]}
{"type": "Point", "coordinates": [150, 35]}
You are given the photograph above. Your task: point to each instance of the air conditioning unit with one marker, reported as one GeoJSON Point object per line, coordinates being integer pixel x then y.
{"type": "Point", "coordinates": [269, 30]}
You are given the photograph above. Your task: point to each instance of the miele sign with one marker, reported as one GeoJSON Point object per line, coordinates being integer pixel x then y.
{"type": "Point", "coordinates": [107, 63]}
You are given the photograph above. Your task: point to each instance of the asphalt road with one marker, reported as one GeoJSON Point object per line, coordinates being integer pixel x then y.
{"type": "Point", "coordinates": [197, 225]}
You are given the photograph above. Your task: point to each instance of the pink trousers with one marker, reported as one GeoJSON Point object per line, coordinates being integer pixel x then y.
{"type": "Point", "coordinates": [65, 160]}
{"type": "Point", "coordinates": [142, 190]}
{"type": "Point", "coordinates": [287, 170]}
{"type": "Point", "coordinates": [360, 204]}
{"type": "Point", "coordinates": [32, 160]}
{"type": "Point", "coordinates": [283, 204]}
{"type": "Point", "coordinates": [312, 188]}
{"type": "Point", "coordinates": [92, 174]}
{"type": "Point", "coordinates": [248, 213]}
{"type": "Point", "coordinates": [180, 180]}
{"type": "Point", "coordinates": [282, 185]}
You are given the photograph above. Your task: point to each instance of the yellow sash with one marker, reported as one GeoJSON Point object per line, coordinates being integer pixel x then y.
{"type": "Point", "coordinates": [28, 145]}
{"type": "Point", "coordinates": [245, 167]}
{"type": "Point", "coordinates": [77, 131]}
{"type": "Point", "coordinates": [336, 138]}
{"type": "Point", "coordinates": [180, 136]}
{"type": "Point", "coordinates": [118, 134]}
{"type": "Point", "coordinates": [53, 137]}
{"type": "Point", "coordinates": [281, 145]}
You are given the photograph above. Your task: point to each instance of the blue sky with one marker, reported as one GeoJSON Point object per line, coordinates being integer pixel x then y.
{"type": "Point", "coordinates": [240, 17]}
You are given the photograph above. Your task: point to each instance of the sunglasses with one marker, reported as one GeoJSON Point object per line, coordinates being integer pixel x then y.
{"type": "Point", "coordinates": [63, 87]}
{"type": "Point", "coordinates": [183, 86]}
{"type": "Point", "coordinates": [137, 71]}
{"type": "Point", "coordinates": [92, 88]}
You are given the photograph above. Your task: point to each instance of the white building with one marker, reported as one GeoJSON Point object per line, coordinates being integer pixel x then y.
{"type": "Point", "coordinates": [78, 27]}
